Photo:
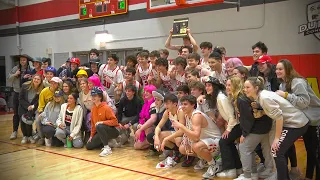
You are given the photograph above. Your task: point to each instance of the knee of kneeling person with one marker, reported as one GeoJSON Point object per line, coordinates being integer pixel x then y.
{"type": "Point", "coordinates": [182, 150]}
{"type": "Point", "coordinates": [196, 147]}
{"type": "Point", "coordinates": [99, 126]}
{"type": "Point", "coordinates": [77, 143]}
{"type": "Point", "coordinates": [60, 133]}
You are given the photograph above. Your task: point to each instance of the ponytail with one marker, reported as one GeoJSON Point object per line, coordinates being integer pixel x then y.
{"type": "Point", "coordinates": [257, 81]}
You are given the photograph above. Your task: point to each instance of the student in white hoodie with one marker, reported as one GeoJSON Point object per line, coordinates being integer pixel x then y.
{"type": "Point", "coordinates": [291, 123]}
{"type": "Point", "coordinates": [50, 115]}
{"type": "Point", "coordinates": [299, 93]}
{"type": "Point", "coordinates": [69, 122]}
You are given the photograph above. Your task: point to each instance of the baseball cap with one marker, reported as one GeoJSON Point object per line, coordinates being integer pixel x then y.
{"type": "Point", "coordinates": [56, 79]}
{"type": "Point", "coordinates": [58, 93]}
{"type": "Point", "coordinates": [96, 90]}
{"type": "Point", "coordinates": [264, 59]}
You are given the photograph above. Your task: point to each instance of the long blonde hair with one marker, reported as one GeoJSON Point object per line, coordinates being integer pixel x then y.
{"type": "Point", "coordinates": [237, 86]}
{"type": "Point", "coordinates": [53, 103]}
{"type": "Point", "coordinates": [30, 85]}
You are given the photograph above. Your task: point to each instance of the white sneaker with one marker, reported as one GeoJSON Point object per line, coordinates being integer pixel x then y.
{"type": "Point", "coordinates": [230, 173]}
{"type": "Point", "coordinates": [105, 151]}
{"type": "Point", "coordinates": [31, 140]}
{"type": "Point", "coordinates": [241, 177]}
{"type": "Point", "coordinates": [14, 135]}
{"type": "Point", "coordinates": [211, 172]}
{"type": "Point", "coordinates": [201, 164]}
{"type": "Point", "coordinates": [48, 142]}
{"type": "Point", "coordinates": [24, 140]}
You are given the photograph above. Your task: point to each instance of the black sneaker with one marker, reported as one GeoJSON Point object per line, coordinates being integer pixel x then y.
{"type": "Point", "coordinates": [177, 156]}
{"type": "Point", "coordinates": [188, 162]}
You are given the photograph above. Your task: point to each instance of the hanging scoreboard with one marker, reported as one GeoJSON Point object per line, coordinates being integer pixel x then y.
{"type": "Point", "coordinates": [89, 9]}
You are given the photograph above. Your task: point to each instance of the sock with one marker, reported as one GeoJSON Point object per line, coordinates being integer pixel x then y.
{"type": "Point", "coordinates": [212, 162]}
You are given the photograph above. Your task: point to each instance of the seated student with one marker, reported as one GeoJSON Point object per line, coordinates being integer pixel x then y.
{"type": "Point", "coordinates": [49, 73]}
{"type": "Point", "coordinates": [128, 110]}
{"type": "Point", "coordinates": [255, 129]}
{"type": "Point", "coordinates": [69, 122]}
{"type": "Point", "coordinates": [103, 123]}
{"type": "Point", "coordinates": [28, 104]}
{"type": "Point", "coordinates": [200, 135]}
{"type": "Point", "coordinates": [172, 113]}
{"type": "Point", "coordinates": [46, 95]}
{"type": "Point", "coordinates": [49, 117]}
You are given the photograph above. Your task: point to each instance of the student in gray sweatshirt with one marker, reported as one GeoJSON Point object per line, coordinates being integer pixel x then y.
{"type": "Point", "coordinates": [50, 115]}
{"type": "Point", "coordinates": [299, 93]}
{"type": "Point", "coordinates": [291, 123]}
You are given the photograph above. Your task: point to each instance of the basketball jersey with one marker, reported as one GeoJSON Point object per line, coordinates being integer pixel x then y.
{"type": "Point", "coordinates": [211, 131]}
{"type": "Point", "coordinates": [180, 79]}
{"type": "Point", "coordinates": [204, 64]}
{"type": "Point", "coordinates": [136, 84]}
{"type": "Point", "coordinates": [144, 74]}
{"type": "Point", "coordinates": [174, 117]}
{"type": "Point", "coordinates": [115, 75]}
{"type": "Point", "coordinates": [168, 84]}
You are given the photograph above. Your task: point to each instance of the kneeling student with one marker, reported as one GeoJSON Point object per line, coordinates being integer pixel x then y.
{"type": "Point", "coordinates": [103, 123]}
{"type": "Point", "coordinates": [200, 135]}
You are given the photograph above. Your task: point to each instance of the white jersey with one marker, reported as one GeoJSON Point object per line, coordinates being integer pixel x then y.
{"type": "Point", "coordinates": [125, 83]}
{"type": "Point", "coordinates": [211, 131]}
{"type": "Point", "coordinates": [144, 74]}
{"type": "Point", "coordinates": [114, 74]}
{"type": "Point", "coordinates": [204, 64]}
{"type": "Point", "coordinates": [180, 79]}
{"type": "Point", "coordinates": [168, 83]}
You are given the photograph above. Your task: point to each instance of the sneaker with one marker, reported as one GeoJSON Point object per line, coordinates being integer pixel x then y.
{"type": "Point", "coordinates": [48, 142]}
{"type": "Point", "coordinates": [188, 162]}
{"type": "Point", "coordinates": [177, 156]}
{"type": "Point", "coordinates": [265, 174]}
{"type": "Point", "coordinates": [14, 135]}
{"type": "Point", "coordinates": [65, 146]}
{"type": "Point", "coordinates": [165, 154]}
{"type": "Point", "coordinates": [201, 164]}
{"type": "Point", "coordinates": [241, 177]}
{"type": "Point", "coordinates": [239, 171]}
{"type": "Point", "coordinates": [273, 176]}
{"type": "Point", "coordinates": [211, 172]}
{"type": "Point", "coordinates": [260, 167]}
{"type": "Point", "coordinates": [24, 140]}
{"type": "Point", "coordinates": [105, 151]}
{"type": "Point", "coordinates": [32, 141]}
{"type": "Point", "coordinates": [40, 141]}
{"type": "Point", "coordinates": [230, 173]}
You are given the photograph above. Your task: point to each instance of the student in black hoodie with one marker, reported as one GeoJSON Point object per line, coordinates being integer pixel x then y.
{"type": "Point", "coordinates": [255, 126]}
{"type": "Point", "coordinates": [258, 50]}
{"type": "Point", "coordinates": [128, 111]}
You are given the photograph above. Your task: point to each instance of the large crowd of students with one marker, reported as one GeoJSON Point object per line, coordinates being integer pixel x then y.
{"type": "Point", "coordinates": [203, 108]}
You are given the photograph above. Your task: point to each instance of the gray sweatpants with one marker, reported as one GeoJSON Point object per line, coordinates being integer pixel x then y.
{"type": "Point", "coordinates": [248, 155]}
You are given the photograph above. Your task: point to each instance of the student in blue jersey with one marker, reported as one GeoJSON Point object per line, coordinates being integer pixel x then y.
{"type": "Point", "coordinates": [290, 122]}
{"type": "Point", "coordinates": [299, 93]}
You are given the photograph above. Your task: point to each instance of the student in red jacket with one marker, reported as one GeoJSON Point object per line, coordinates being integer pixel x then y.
{"type": "Point", "coordinates": [103, 123]}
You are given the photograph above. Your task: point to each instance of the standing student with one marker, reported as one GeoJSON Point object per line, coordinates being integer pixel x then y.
{"type": "Point", "coordinates": [67, 88]}
{"type": "Point", "coordinates": [16, 77]}
{"type": "Point", "coordinates": [164, 53]}
{"type": "Point", "coordinates": [255, 129]}
{"type": "Point", "coordinates": [36, 62]}
{"type": "Point", "coordinates": [268, 72]}
{"type": "Point", "coordinates": [193, 61]}
{"type": "Point", "coordinates": [217, 68]}
{"type": "Point", "coordinates": [258, 50]}
{"type": "Point", "coordinates": [103, 124]}
{"type": "Point", "coordinates": [111, 75]}
{"type": "Point", "coordinates": [49, 117]}
{"type": "Point", "coordinates": [242, 72]}
{"type": "Point", "coordinates": [206, 49]}
{"type": "Point", "coordinates": [69, 122]}
{"type": "Point", "coordinates": [290, 122]}
{"type": "Point", "coordinates": [144, 68]}
{"type": "Point", "coordinates": [231, 64]}
{"type": "Point", "coordinates": [164, 81]}
{"type": "Point", "coordinates": [28, 104]}
{"type": "Point", "coordinates": [217, 98]}
{"type": "Point", "coordinates": [188, 40]}
{"type": "Point", "coordinates": [49, 73]}
{"type": "Point", "coordinates": [71, 72]}
{"type": "Point", "coordinates": [178, 72]}
{"type": "Point", "coordinates": [299, 93]}
{"type": "Point", "coordinates": [200, 135]}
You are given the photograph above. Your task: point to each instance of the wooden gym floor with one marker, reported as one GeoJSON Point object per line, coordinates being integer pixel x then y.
{"type": "Point", "coordinates": [30, 161]}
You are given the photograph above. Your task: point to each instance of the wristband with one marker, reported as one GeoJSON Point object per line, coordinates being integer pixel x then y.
{"type": "Point", "coordinates": [286, 95]}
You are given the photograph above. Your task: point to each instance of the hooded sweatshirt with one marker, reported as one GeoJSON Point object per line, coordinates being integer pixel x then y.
{"type": "Point", "coordinates": [50, 115]}
{"type": "Point", "coordinates": [303, 98]}
{"type": "Point", "coordinates": [102, 113]}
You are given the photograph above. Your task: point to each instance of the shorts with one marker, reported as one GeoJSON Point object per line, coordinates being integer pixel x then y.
{"type": "Point", "coordinates": [213, 145]}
